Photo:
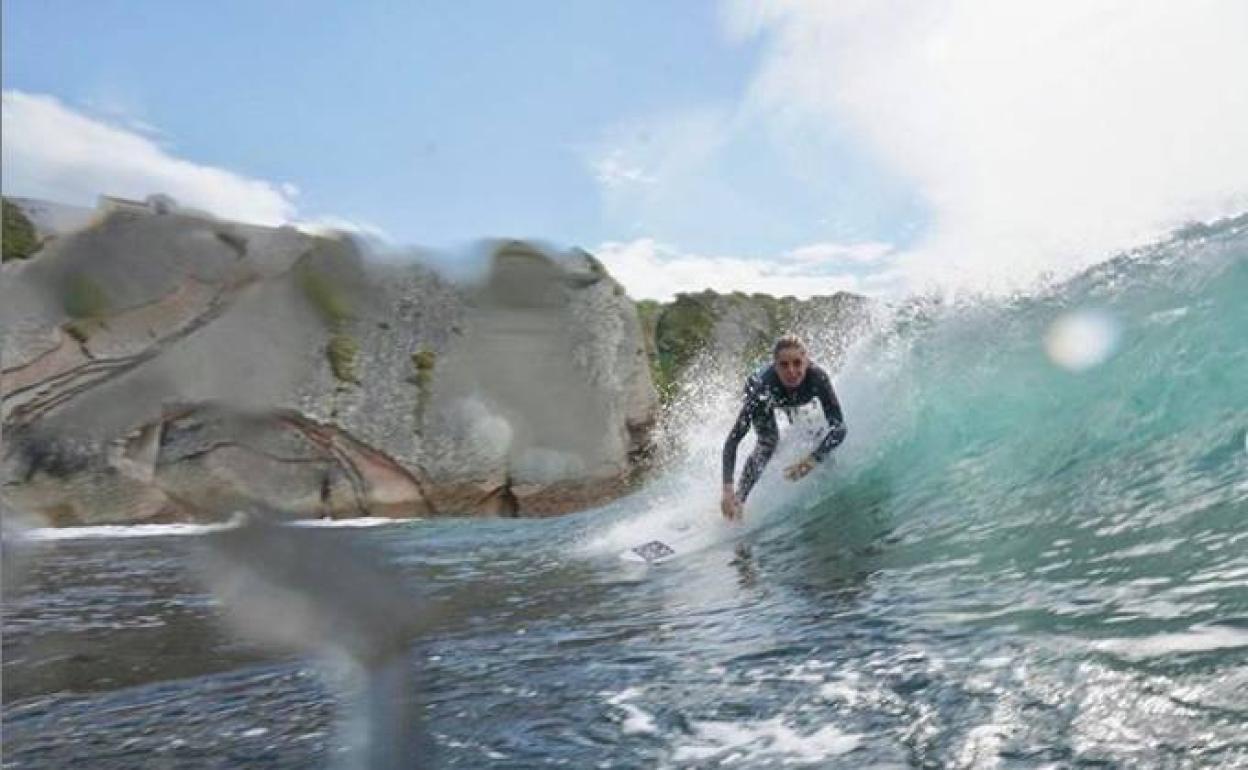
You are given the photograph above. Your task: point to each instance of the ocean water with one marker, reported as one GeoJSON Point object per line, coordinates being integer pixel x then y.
{"type": "Point", "coordinates": [1031, 552]}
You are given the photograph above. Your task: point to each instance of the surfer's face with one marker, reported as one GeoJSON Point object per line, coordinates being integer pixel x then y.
{"type": "Point", "coordinates": [791, 366]}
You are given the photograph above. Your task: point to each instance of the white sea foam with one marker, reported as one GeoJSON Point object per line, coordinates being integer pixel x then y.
{"type": "Point", "coordinates": [840, 691]}
{"type": "Point", "coordinates": [1196, 639]}
{"type": "Point", "coordinates": [685, 506]}
{"type": "Point", "coordinates": [771, 739]}
{"type": "Point", "coordinates": [692, 519]}
{"type": "Point", "coordinates": [362, 521]}
{"type": "Point", "coordinates": [636, 720]}
{"type": "Point", "coordinates": [111, 532]}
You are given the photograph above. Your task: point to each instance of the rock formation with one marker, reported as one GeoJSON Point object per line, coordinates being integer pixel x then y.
{"type": "Point", "coordinates": [160, 365]}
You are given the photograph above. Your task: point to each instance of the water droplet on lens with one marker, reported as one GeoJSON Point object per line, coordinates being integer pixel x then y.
{"type": "Point", "coordinates": [1082, 339]}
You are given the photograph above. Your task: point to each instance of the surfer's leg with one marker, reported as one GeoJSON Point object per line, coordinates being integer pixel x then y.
{"type": "Point", "coordinates": [768, 434]}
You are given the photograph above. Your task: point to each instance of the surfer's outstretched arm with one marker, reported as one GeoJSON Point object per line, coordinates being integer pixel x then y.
{"type": "Point", "coordinates": [739, 429]}
{"type": "Point", "coordinates": [730, 505]}
{"type": "Point", "coordinates": [768, 433]}
{"type": "Point", "coordinates": [756, 412]}
{"type": "Point", "coordinates": [835, 417]}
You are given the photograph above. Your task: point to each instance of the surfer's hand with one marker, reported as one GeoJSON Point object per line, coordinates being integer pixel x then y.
{"type": "Point", "coordinates": [730, 506]}
{"type": "Point", "coordinates": [799, 469]}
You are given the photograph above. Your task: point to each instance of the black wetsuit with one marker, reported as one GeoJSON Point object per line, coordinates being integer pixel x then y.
{"type": "Point", "coordinates": [764, 392]}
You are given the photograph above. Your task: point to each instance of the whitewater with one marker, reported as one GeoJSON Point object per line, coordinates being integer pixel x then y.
{"type": "Point", "coordinates": [1018, 559]}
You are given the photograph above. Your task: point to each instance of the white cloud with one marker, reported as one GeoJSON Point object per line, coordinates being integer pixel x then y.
{"type": "Point", "coordinates": [1042, 135]}
{"type": "Point", "coordinates": [52, 152]}
{"type": "Point", "coordinates": [117, 107]}
{"type": "Point", "coordinates": [612, 171]}
{"type": "Point", "coordinates": [852, 253]}
{"type": "Point", "coordinates": [652, 270]}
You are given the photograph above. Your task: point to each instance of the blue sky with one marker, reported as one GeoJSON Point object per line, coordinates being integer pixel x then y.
{"type": "Point", "coordinates": [792, 147]}
{"type": "Point", "coordinates": [437, 122]}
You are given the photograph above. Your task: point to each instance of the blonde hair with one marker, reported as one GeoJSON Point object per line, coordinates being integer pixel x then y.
{"type": "Point", "coordinates": [787, 341]}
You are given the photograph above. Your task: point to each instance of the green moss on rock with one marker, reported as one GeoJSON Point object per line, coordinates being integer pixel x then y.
{"type": "Point", "coordinates": [330, 303]}
{"type": "Point", "coordinates": [342, 351]}
{"type": "Point", "coordinates": [86, 303]}
{"type": "Point", "coordinates": [682, 331]}
{"type": "Point", "coordinates": [648, 311]}
{"type": "Point", "coordinates": [84, 298]}
{"type": "Point", "coordinates": [423, 361]}
{"type": "Point", "coordinates": [19, 236]}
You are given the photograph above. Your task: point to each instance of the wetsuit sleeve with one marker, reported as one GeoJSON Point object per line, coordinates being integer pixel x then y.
{"type": "Point", "coordinates": [739, 429]}
{"type": "Point", "coordinates": [836, 419]}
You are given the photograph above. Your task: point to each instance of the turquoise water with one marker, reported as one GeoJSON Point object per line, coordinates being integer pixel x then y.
{"type": "Point", "coordinates": [1022, 558]}
{"type": "Point", "coordinates": [1103, 503]}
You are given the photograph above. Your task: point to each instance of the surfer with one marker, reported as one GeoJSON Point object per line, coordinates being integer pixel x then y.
{"type": "Point", "coordinates": [791, 380]}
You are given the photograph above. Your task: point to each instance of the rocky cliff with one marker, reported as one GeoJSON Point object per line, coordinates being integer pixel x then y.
{"type": "Point", "coordinates": [736, 331]}
{"type": "Point", "coordinates": [160, 365]}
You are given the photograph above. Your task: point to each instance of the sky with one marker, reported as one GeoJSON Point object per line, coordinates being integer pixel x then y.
{"type": "Point", "coordinates": [884, 147]}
